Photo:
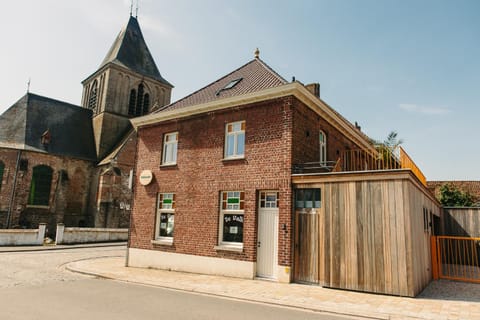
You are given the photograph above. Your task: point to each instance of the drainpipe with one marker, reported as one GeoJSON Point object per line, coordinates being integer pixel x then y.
{"type": "Point", "coordinates": [12, 197]}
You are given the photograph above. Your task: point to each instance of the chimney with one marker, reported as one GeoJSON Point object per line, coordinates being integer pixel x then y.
{"type": "Point", "coordinates": [314, 88]}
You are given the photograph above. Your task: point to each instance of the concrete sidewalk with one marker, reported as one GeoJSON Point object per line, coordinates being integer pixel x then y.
{"type": "Point", "coordinates": [441, 300]}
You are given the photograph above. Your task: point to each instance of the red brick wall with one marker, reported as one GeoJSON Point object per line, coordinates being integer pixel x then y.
{"type": "Point", "coordinates": [306, 127]}
{"type": "Point", "coordinates": [201, 174]}
{"type": "Point", "coordinates": [9, 158]}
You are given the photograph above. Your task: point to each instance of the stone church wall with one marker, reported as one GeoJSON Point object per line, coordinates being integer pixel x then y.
{"type": "Point", "coordinates": [112, 193]}
{"type": "Point", "coordinates": [69, 192]}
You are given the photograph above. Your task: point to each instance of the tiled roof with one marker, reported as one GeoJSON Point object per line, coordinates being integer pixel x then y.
{"type": "Point", "coordinates": [255, 76]}
{"type": "Point", "coordinates": [130, 50]}
{"type": "Point", "coordinates": [472, 187]}
{"type": "Point", "coordinates": [70, 127]}
{"type": "Point", "coordinates": [116, 150]}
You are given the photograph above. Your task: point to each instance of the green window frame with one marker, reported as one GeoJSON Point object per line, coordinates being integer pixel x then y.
{"type": "Point", "coordinates": [2, 169]}
{"type": "Point", "coordinates": [40, 186]}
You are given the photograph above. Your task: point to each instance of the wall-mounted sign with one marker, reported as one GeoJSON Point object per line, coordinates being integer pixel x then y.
{"type": "Point", "coordinates": [146, 177]}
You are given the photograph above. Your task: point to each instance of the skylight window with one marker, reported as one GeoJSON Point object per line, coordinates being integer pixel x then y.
{"type": "Point", "coordinates": [229, 85]}
{"type": "Point", "coordinates": [232, 84]}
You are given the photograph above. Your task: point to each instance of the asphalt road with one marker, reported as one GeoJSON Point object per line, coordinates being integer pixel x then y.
{"type": "Point", "coordinates": [35, 285]}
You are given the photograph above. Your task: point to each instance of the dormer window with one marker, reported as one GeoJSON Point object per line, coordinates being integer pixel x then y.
{"type": "Point", "coordinates": [46, 137]}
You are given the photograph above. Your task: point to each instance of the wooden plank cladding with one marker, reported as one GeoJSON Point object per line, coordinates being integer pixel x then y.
{"type": "Point", "coordinates": [306, 247]}
{"type": "Point", "coordinates": [462, 222]}
{"type": "Point", "coordinates": [370, 234]}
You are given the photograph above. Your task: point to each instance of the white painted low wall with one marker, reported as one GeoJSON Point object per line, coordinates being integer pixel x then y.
{"type": "Point", "coordinates": [23, 237]}
{"type": "Point", "coordinates": [142, 258]}
{"type": "Point", "coordinates": [89, 235]}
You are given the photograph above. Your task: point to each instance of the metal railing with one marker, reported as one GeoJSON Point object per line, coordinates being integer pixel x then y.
{"type": "Point", "coordinates": [315, 167]}
{"type": "Point", "coordinates": [361, 160]}
{"type": "Point", "coordinates": [456, 258]}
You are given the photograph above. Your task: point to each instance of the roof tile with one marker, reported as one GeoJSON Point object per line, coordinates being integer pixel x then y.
{"type": "Point", "coordinates": [256, 75]}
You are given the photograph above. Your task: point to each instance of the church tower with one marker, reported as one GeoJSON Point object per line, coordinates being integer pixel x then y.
{"type": "Point", "coordinates": [127, 84]}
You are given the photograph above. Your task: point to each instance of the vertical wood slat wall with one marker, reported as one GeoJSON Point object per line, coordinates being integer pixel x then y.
{"type": "Point", "coordinates": [461, 222]}
{"type": "Point", "coordinates": [370, 237]}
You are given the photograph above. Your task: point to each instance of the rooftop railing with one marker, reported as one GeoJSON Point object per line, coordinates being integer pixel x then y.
{"type": "Point", "coordinates": [361, 160]}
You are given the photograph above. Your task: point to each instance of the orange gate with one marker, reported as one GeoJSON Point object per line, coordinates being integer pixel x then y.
{"type": "Point", "coordinates": [456, 258]}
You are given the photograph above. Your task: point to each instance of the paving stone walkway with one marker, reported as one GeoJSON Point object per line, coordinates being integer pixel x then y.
{"type": "Point", "coordinates": [441, 300]}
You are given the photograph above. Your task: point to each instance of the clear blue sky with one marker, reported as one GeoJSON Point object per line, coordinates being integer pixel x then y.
{"type": "Point", "coordinates": [409, 66]}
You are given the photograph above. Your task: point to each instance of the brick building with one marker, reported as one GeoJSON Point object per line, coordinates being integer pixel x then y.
{"type": "Point", "coordinates": [62, 163]}
{"type": "Point", "coordinates": [254, 176]}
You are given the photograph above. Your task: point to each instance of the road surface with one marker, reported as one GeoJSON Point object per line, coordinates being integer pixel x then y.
{"type": "Point", "coordinates": [35, 285]}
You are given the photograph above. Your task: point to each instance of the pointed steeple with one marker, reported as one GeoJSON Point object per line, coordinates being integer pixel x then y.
{"type": "Point", "coordinates": [130, 50]}
{"type": "Point", "coordinates": [127, 84]}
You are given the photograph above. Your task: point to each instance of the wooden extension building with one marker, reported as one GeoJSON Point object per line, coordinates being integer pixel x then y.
{"type": "Point", "coordinates": [372, 232]}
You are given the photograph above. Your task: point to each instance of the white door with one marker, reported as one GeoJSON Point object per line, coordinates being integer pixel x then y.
{"type": "Point", "coordinates": [267, 235]}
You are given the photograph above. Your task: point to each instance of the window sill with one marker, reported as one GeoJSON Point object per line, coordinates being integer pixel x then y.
{"type": "Point", "coordinates": [35, 206]}
{"type": "Point", "coordinates": [223, 247]}
{"type": "Point", "coordinates": [163, 242]}
{"type": "Point", "coordinates": [168, 165]}
{"type": "Point", "coordinates": [234, 158]}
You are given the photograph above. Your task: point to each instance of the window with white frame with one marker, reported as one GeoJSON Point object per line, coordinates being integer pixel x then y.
{"type": "Point", "coordinates": [170, 142]}
{"type": "Point", "coordinates": [231, 218]}
{"type": "Point", "coordinates": [235, 140]}
{"type": "Point", "coordinates": [323, 147]}
{"type": "Point", "coordinates": [165, 216]}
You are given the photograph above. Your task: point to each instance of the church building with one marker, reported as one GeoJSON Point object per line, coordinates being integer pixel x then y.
{"type": "Point", "coordinates": [62, 163]}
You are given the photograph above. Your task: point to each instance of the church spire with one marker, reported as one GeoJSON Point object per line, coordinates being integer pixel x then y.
{"type": "Point", "coordinates": [127, 84]}
{"type": "Point", "coordinates": [130, 50]}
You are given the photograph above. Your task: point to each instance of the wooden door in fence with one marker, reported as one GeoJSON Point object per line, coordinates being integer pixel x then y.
{"type": "Point", "coordinates": [306, 246]}
{"type": "Point", "coordinates": [456, 258]}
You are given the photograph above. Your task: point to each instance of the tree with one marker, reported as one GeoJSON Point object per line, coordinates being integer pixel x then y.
{"type": "Point", "coordinates": [392, 142]}
{"type": "Point", "coordinates": [388, 150]}
{"type": "Point", "coordinates": [451, 196]}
